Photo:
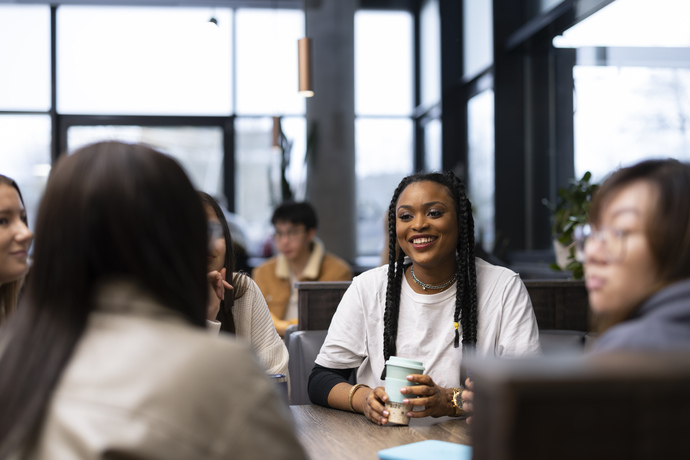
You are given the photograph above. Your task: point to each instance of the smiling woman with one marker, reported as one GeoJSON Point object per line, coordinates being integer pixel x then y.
{"type": "Point", "coordinates": [432, 295]}
{"type": "Point", "coordinates": [15, 241]}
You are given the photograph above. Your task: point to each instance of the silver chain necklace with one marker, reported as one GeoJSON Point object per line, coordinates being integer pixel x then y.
{"type": "Point", "coordinates": [433, 286]}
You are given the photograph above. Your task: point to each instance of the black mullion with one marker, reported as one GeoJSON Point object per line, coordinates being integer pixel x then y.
{"type": "Point", "coordinates": [229, 131]}
{"type": "Point", "coordinates": [142, 120]}
{"type": "Point", "coordinates": [229, 163]}
{"type": "Point", "coordinates": [56, 146]}
{"type": "Point", "coordinates": [418, 131]}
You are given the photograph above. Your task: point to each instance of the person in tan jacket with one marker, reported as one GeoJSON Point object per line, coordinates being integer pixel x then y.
{"type": "Point", "coordinates": [302, 257]}
{"type": "Point", "coordinates": [108, 356]}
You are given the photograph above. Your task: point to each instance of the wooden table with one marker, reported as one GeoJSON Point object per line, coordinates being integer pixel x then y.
{"type": "Point", "coordinates": [335, 434]}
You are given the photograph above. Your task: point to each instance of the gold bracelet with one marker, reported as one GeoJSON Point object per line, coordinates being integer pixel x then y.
{"type": "Point", "coordinates": [352, 393]}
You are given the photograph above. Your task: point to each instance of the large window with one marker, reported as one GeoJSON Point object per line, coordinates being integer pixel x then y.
{"type": "Point", "coordinates": [160, 74]}
{"type": "Point", "coordinates": [151, 61]}
{"type": "Point", "coordinates": [198, 149]}
{"type": "Point", "coordinates": [169, 77]}
{"type": "Point", "coordinates": [627, 114]}
{"type": "Point", "coordinates": [267, 87]}
{"type": "Point", "coordinates": [24, 58]}
{"type": "Point", "coordinates": [480, 124]}
{"type": "Point", "coordinates": [430, 84]}
{"type": "Point", "coordinates": [267, 62]}
{"type": "Point", "coordinates": [258, 172]}
{"type": "Point", "coordinates": [430, 53]}
{"type": "Point", "coordinates": [632, 85]}
{"type": "Point", "coordinates": [25, 100]}
{"type": "Point", "coordinates": [383, 109]}
{"type": "Point", "coordinates": [25, 156]}
{"type": "Point", "coordinates": [478, 36]}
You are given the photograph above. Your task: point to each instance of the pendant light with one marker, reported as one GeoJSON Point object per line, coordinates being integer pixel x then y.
{"type": "Point", "coordinates": [304, 60]}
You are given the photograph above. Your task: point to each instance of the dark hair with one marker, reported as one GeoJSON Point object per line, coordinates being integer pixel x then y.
{"type": "Point", "coordinates": [668, 227]}
{"type": "Point", "coordinates": [9, 292]}
{"type": "Point", "coordinates": [466, 295]}
{"type": "Point", "coordinates": [110, 210]}
{"type": "Point", "coordinates": [237, 280]}
{"type": "Point", "coordinates": [296, 213]}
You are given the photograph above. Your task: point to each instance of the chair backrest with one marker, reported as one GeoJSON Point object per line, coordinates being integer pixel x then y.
{"type": "Point", "coordinates": [303, 348]}
{"type": "Point", "coordinates": [558, 304]}
{"type": "Point", "coordinates": [557, 341]}
{"type": "Point", "coordinates": [317, 302]}
{"type": "Point", "coordinates": [288, 332]}
{"type": "Point", "coordinates": [613, 407]}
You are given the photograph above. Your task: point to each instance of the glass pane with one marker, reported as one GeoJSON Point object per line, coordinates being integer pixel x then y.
{"type": "Point", "coordinates": [626, 114]}
{"type": "Point", "coordinates": [169, 61]}
{"type": "Point", "coordinates": [258, 171]}
{"type": "Point", "coordinates": [433, 160]}
{"type": "Point", "coordinates": [431, 53]}
{"type": "Point", "coordinates": [478, 35]}
{"type": "Point", "coordinates": [25, 156]}
{"type": "Point", "coordinates": [383, 157]}
{"type": "Point", "coordinates": [267, 61]}
{"type": "Point", "coordinates": [295, 129]}
{"type": "Point", "coordinates": [198, 149]}
{"type": "Point", "coordinates": [383, 63]}
{"type": "Point", "coordinates": [632, 23]}
{"type": "Point", "coordinates": [480, 127]}
{"type": "Point", "coordinates": [25, 58]}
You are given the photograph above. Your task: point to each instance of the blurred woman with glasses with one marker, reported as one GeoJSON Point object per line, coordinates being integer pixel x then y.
{"type": "Point", "coordinates": [636, 254]}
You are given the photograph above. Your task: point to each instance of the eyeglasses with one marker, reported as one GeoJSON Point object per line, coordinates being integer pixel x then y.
{"type": "Point", "coordinates": [613, 242]}
{"type": "Point", "coordinates": [290, 234]}
{"type": "Point", "coordinates": [215, 230]}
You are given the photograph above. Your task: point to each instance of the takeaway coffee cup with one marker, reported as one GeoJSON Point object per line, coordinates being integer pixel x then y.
{"type": "Point", "coordinates": [397, 370]}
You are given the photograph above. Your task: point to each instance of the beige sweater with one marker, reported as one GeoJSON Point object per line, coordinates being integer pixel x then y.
{"type": "Point", "coordinates": [254, 326]}
{"type": "Point", "coordinates": [143, 383]}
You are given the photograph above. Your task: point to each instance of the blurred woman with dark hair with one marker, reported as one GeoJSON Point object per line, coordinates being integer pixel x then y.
{"type": "Point", "coordinates": [238, 307]}
{"type": "Point", "coordinates": [636, 252]}
{"type": "Point", "coordinates": [15, 241]}
{"type": "Point", "coordinates": [108, 356]}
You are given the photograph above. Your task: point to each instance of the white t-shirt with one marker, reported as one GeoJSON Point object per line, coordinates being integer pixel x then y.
{"type": "Point", "coordinates": [506, 327]}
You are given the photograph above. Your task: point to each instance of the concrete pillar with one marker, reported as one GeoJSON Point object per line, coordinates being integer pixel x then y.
{"type": "Point", "coordinates": [330, 116]}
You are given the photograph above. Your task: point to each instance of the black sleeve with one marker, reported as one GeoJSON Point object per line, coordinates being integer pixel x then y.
{"type": "Point", "coordinates": [322, 380]}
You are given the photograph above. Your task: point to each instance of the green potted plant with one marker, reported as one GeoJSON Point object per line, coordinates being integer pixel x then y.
{"type": "Point", "coordinates": [570, 210]}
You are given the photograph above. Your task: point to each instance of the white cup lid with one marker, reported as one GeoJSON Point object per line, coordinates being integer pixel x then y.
{"type": "Point", "coordinates": [404, 362]}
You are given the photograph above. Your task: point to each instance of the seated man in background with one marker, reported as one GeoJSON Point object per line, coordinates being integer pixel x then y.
{"type": "Point", "coordinates": [302, 257]}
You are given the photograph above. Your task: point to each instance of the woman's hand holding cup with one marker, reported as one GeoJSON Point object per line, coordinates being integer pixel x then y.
{"type": "Point", "coordinates": [434, 398]}
{"type": "Point", "coordinates": [374, 406]}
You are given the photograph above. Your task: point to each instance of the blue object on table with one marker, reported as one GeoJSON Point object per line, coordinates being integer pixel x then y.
{"type": "Point", "coordinates": [427, 450]}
